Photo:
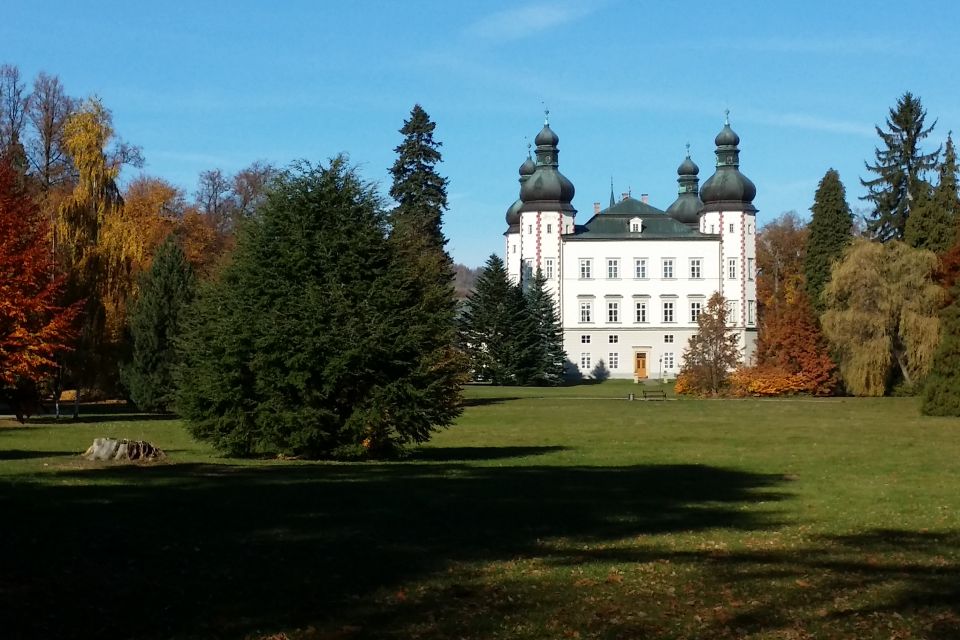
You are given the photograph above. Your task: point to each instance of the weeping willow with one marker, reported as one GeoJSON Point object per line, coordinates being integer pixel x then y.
{"type": "Point", "coordinates": [881, 315]}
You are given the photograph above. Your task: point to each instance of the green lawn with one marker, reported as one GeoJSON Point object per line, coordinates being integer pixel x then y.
{"type": "Point", "coordinates": [559, 513]}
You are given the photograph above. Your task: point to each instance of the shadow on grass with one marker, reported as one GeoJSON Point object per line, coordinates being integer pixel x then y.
{"type": "Point", "coordinates": [484, 402]}
{"type": "Point", "coordinates": [223, 551]}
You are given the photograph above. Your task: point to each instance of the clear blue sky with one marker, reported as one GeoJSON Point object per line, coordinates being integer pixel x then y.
{"type": "Point", "coordinates": [203, 84]}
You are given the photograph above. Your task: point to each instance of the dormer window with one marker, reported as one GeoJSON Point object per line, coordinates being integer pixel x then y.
{"type": "Point", "coordinates": [636, 225]}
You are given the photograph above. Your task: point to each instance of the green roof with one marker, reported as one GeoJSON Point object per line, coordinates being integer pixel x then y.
{"type": "Point", "coordinates": [613, 223]}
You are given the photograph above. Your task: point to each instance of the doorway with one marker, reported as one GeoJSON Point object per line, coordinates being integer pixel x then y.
{"type": "Point", "coordinates": [640, 365]}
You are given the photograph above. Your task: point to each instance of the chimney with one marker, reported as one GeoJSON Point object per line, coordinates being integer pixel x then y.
{"type": "Point", "coordinates": [624, 195]}
{"type": "Point", "coordinates": [596, 208]}
{"type": "Point", "coordinates": [645, 198]}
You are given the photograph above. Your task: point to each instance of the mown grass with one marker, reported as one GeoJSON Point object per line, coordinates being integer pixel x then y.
{"type": "Point", "coordinates": [557, 513]}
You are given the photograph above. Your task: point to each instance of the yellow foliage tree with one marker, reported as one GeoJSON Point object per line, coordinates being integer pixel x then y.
{"type": "Point", "coordinates": [882, 315]}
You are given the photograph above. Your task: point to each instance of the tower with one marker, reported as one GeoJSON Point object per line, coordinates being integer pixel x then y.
{"type": "Point", "coordinates": [686, 208]}
{"type": "Point", "coordinates": [728, 212]}
{"type": "Point", "coordinates": [512, 256]}
{"type": "Point", "coordinates": [545, 214]}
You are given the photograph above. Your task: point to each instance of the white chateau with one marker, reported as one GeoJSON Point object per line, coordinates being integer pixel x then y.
{"type": "Point", "coordinates": [631, 281]}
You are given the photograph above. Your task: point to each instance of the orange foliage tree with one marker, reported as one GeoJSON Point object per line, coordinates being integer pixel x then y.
{"type": "Point", "coordinates": [34, 330]}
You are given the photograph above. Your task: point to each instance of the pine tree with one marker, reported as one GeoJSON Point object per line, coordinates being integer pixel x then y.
{"type": "Point", "coordinates": [549, 331]}
{"type": "Point", "coordinates": [523, 349]}
{"type": "Point", "coordinates": [305, 346]}
{"type": "Point", "coordinates": [900, 168]}
{"type": "Point", "coordinates": [423, 271]}
{"type": "Point", "coordinates": [165, 291]}
{"type": "Point", "coordinates": [933, 224]}
{"type": "Point", "coordinates": [941, 391]}
{"type": "Point", "coordinates": [829, 234]}
{"type": "Point", "coordinates": [485, 324]}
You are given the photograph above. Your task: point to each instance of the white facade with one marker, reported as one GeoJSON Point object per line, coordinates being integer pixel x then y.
{"type": "Point", "coordinates": [630, 281]}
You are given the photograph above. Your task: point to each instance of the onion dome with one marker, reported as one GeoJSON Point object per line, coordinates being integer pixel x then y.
{"type": "Point", "coordinates": [686, 208]}
{"type": "Point", "coordinates": [513, 213]}
{"type": "Point", "coordinates": [728, 189]}
{"type": "Point", "coordinates": [547, 189]}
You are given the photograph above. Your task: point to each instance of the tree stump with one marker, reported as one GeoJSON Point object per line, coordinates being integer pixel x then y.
{"type": "Point", "coordinates": [112, 449]}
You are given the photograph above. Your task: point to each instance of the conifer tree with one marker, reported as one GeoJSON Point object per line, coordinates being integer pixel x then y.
{"type": "Point", "coordinates": [933, 224]}
{"type": "Point", "coordinates": [900, 167]}
{"type": "Point", "coordinates": [549, 331]}
{"type": "Point", "coordinates": [524, 348]}
{"type": "Point", "coordinates": [486, 323]}
{"type": "Point", "coordinates": [304, 346]}
{"type": "Point", "coordinates": [829, 234]}
{"type": "Point", "coordinates": [165, 291]}
{"type": "Point", "coordinates": [423, 271]}
{"type": "Point", "coordinates": [941, 390]}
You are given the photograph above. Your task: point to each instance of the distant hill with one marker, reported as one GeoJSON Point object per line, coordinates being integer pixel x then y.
{"type": "Point", "coordinates": [463, 280]}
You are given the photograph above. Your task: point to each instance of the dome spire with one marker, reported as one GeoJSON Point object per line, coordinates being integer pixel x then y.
{"type": "Point", "coordinates": [547, 189]}
{"type": "Point", "coordinates": [613, 200]}
{"type": "Point", "coordinates": [728, 189]}
{"type": "Point", "coordinates": [686, 207]}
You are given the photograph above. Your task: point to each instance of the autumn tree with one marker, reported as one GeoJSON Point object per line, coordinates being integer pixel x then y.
{"type": "Point", "coordinates": [250, 186]}
{"type": "Point", "coordinates": [93, 244]}
{"type": "Point", "coordinates": [302, 345]}
{"type": "Point", "coordinates": [155, 320]}
{"type": "Point", "coordinates": [881, 315]}
{"type": "Point", "coordinates": [781, 248]}
{"type": "Point", "coordinates": [34, 329]}
{"type": "Point", "coordinates": [900, 168]}
{"type": "Point", "coordinates": [712, 353]}
{"type": "Point", "coordinates": [13, 108]}
{"type": "Point", "coordinates": [48, 111]}
{"type": "Point", "coordinates": [829, 235]}
{"type": "Point", "coordinates": [936, 215]}
{"type": "Point", "coordinates": [213, 199]}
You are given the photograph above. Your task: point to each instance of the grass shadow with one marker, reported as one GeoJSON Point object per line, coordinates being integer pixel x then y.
{"type": "Point", "coordinates": [18, 454]}
{"type": "Point", "coordinates": [484, 402]}
{"type": "Point", "coordinates": [228, 551]}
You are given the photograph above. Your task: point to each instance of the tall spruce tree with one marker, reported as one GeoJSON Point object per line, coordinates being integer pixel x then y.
{"type": "Point", "coordinates": [165, 291]}
{"type": "Point", "coordinates": [423, 271]}
{"type": "Point", "coordinates": [933, 224]}
{"type": "Point", "coordinates": [304, 346]}
{"type": "Point", "coordinates": [486, 323]}
{"type": "Point", "coordinates": [829, 234]}
{"type": "Point", "coordinates": [549, 331]}
{"type": "Point", "coordinates": [941, 390]}
{"type": "Point", "coordinates": [900, 169]}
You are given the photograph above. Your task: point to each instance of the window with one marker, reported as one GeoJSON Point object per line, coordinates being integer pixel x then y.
{"type": "Point", "coordinates": [585, 339]}
{"type": "Point", "coordinates": [529, 228]}
{"type": "Point", "coordinates": [548, 268]}
{"type": "Point", "coordinates": [668, 361]}
{"type": "Point", "coordinates": [668, 268]}
{"type": "Point", "coordinates": [613, 312]}
{"type": "Point", "coordinates": [613, 339]}
{"type": "Point", "coordinates": [731, 311]}
{"type": "Point", "coordinates": [668, 312]}
{"type": "Point", "coordinates": [641, 311]}
{"type": "Point", "coordinates": [668, 338]}
{"type": "Point", "coordinates": [584, 360]}
{"type": "Point", "coordinates": [732, 268]}
{"type": "Point", "coordinates": [635, 227]}
{"type": "Point", "coordinates": [549, 228]}
{"type": "Point", "coordinates": [586, 312]}
{"type": "Point", "coordinates": [712, 229]}
{"type": "Point", "coordinates": [613, 268]}
{"type": "Point", "coordinates": [613, 360]}
{"type": "Point", "coordinates": [695, 308]}
{"type": "Point", "coordinates": [695, 271]}
{"type": "Point", "coordinates": [640, 268]}
{"type": "Point", "coordinates": [731, 227]}
{"type": "Point", "coordinates": [749, 268]}
{"type": "Point", "coordinates": [514, 249]}
{"type": "Point", "coordinates": [751, 311]}
{"type": "Point", "coordinates": [526, 274]}
{"type": "Point", "coordinates": [586, 268]}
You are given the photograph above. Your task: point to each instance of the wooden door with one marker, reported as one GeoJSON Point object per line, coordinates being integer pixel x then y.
{"type": "Point", "coordinates": [640, 366]}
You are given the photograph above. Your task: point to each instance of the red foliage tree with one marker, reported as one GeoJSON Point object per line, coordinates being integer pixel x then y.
{"type": "Point", "coordinates": [34, 329]}
{"type": "Point", "coordinates": [790, 342]}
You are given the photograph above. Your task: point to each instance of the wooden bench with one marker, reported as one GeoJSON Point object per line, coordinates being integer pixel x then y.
{"type": "Point", "coordinates": [653, 394]}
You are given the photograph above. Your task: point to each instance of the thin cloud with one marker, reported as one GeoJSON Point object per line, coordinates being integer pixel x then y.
{"type": "Point", "coordinates": [529, 20]}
